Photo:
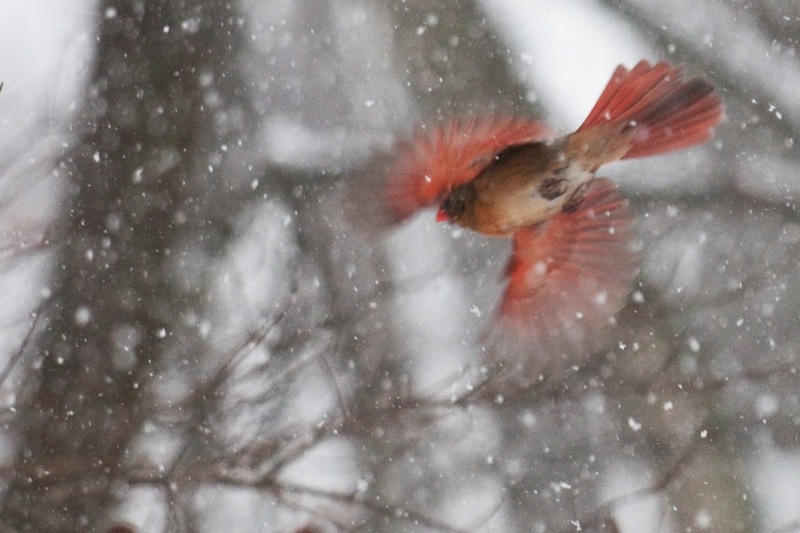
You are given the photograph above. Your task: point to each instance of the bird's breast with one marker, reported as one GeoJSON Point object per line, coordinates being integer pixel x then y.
{"type": "Point", "coordinates": [502, 207]}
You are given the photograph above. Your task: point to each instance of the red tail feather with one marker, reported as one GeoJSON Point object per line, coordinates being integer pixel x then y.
{"type": "Point", "coordinates": [667, 112]}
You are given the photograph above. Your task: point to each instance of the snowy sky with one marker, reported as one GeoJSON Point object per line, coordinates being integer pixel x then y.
{"type": "Point", "coordinates": [45, 53]}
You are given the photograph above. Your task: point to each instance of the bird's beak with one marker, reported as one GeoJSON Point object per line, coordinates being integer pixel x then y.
{"type": "Point", "coordinates": [442, 216]}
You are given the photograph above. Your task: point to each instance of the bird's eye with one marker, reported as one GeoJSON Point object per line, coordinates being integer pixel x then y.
{"type": "Point", "coordinates": [453, 206]}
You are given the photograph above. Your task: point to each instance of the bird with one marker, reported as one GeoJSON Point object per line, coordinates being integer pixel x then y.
{"type": "Point", "coordinates": [573, 261]}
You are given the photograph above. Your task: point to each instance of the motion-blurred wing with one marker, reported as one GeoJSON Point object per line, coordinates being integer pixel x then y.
{"type": "Point", "coordinates": [437, 158]}
{"type": "Point", "coordinates": [569, 275]}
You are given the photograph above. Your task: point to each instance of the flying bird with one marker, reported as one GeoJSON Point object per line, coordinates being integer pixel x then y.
{"type": "Point", "coordinates": [573, 262]}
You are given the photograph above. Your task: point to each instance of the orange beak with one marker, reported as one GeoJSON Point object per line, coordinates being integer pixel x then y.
{"type": "Point", "coordinates": [442, 216]}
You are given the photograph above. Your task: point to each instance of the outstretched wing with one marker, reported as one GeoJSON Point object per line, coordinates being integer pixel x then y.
{"type": "Point", "coordinates": [569, 275]}
{"type": "Point", "coordinates": [437, 158]}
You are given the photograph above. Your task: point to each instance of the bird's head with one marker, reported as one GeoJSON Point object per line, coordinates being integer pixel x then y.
{"type": "Point", "coordinates": [453, 206]}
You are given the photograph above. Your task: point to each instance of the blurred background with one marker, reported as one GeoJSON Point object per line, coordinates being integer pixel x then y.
{"type": "Point", "coordinates": [198, 337]}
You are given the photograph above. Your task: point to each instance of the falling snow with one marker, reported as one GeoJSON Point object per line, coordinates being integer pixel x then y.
{"type": "Point", "coordinates": [176, 229]}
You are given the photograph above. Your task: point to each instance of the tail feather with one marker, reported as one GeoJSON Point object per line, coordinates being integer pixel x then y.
{"type": "Point", "coordinates": [665, 111]}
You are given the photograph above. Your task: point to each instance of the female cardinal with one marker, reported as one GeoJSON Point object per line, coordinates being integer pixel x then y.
{"type": "Point", "coordinates": [572, 264]}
